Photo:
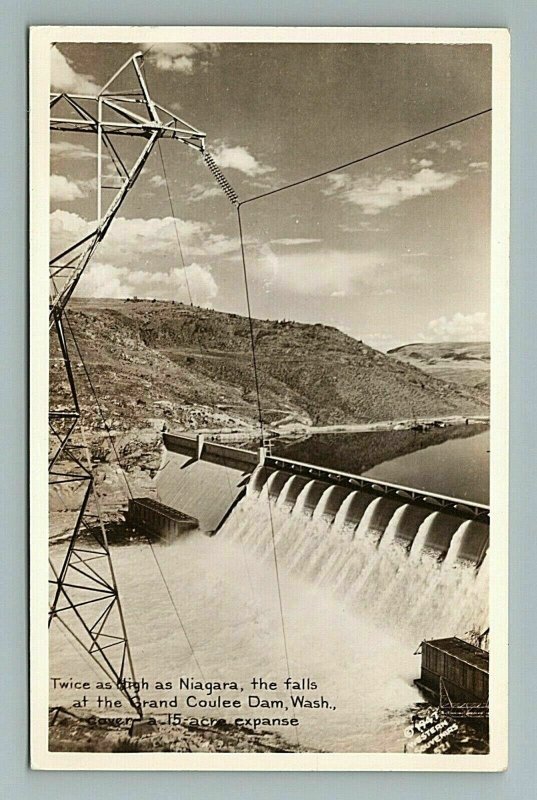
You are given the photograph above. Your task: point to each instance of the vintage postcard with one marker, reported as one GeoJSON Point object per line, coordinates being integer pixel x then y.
{"type": "Point", "coordinates": [269, 428]}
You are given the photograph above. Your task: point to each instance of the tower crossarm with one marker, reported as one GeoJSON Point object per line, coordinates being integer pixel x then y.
{"type": "Point", "coordinates": [112, 115]}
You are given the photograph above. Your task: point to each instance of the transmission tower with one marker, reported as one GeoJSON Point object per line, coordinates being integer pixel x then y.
{"type": "Point", "coordinates": [84, 591]}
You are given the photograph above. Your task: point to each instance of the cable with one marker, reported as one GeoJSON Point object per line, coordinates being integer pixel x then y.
{"type": "Point", "coordinates": [99, 408]}
{"type": "Point", "coordinates": [170, 198]}
{"type": "Point", "coordinates": [175, 222]}
{"type": "Point", "coordinates": [365, 158]}
{"type": "Point", "coordinates": [254, 361]}
{"type": "Point", "coordinates": [251, 325]}
{"type": "Point", "coordinates": [145, 52]}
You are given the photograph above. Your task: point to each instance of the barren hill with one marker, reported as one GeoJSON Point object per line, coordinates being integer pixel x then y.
{"type": "Point", "coordinates": [465, 363]}
{"type": "Point", "coordinates": [156, 362]}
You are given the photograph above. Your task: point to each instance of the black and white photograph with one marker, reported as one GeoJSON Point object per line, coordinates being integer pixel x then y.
{"type": "Point", "coordinates": [270, 442]}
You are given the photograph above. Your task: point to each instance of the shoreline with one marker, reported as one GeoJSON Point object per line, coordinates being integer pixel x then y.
{"type": "Point", "coordinates": [302, 431]}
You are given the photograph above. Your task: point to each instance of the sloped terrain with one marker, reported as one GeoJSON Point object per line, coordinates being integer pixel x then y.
{"type": "Point", "coordinates": [465, 363]}
{"type": "Point", "coordinates": [193, 367]}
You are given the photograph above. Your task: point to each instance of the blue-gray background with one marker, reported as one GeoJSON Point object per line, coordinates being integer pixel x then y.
{"type": "Point", "coordinates": [521, 17]}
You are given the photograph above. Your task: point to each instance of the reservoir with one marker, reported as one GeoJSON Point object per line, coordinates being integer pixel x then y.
{"type": "Point", "coordinates": [452, 461]}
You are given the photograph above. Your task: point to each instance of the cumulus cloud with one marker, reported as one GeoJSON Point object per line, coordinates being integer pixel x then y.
{"type": "Point", "coordinates": [295, 242]}
{"type": "Point", "coordinates": [240, 158]}
{"type": "Point", "coordinates": [65, 79]}
{"type": "Point", "coordinates": [331, 273]}
{"type": "Point", "coordinates": [459, 328]}
{"type": "Point", "coordinates": [179, 56]}
{"type": "Point", "coordinates": [451, 144]}
{"type": "Point", "coordinates": [63, 190]}
{"type": "Point", "coordinates": [107, 280]}
{"type": "Point", "coordinates": [139, 242]}
{"type": "Point", "coordinates": [479, 166]}
{"type": "Point", "coordinates": [423, 162]}
{"type": "Point", "coordinates": [71, 150]}
{"type": "Point", "coordinates": [200, 192]}
{"type": "Point", "coordinates": [378, 193]}
{"type": "Point", "coordinates": [157, 181]}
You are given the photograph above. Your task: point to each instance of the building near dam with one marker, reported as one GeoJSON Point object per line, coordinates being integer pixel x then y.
{"type": "Point", "coordinates": [457, 673]}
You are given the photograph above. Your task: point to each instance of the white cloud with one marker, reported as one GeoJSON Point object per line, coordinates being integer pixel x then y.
{"type": "Point", "coordinates": [331, 273]}
{"type": "Point", "coordinates": [451, 144]}
{"type": "Point", "coordinates": [200, 192]}
{"type": "Point", "coordinates": [459, 328]}
{"type": "Point", "coordinates": [479, 166]}
{"type": "Point", "coordinates": [107, 280]}
{"type": "Point", "coordinates": [63, 190]}
{"type": "Point", "coordinates": [423, 162]}
{"type": "Point", "coordinates": [239, 158]}
{"type": "Point", "coordinates": [376, 194]}
{"type": "Point", "coordinates": [65, 79]}
{"type": "Point", "coordinates": [65, 149]}
{"type": "Point", "coordinates": [295, 242]}
{"type": "Point", "coordinates": [140, 242]}
{"type": "Point", "coordinates": [157, 181]}
{"type": "Point", "coordinates": [179, 56]}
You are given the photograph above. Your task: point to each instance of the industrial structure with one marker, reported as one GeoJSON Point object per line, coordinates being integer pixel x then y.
{"type": "Point", "coordinates": [85, 597]}
{"type": "Point", "coordinates": [456, 674]}
{"type": "Point", "coordinates": [193, 470]}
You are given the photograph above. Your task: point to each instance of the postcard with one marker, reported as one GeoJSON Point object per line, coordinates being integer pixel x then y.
{"type": "Point", "coordinates": [269, 404]}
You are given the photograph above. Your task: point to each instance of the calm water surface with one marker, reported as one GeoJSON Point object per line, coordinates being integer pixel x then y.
{"type": "Point", "coordinates": [451, 461]}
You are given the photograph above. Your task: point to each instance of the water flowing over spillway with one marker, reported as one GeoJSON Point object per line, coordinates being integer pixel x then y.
{"type": "Point", "coordinates": [409, 570]}
{"type": "Point", "coordinates": [362, 581]}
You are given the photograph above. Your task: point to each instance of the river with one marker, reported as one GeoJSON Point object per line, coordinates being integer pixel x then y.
{"type": "Point", "coordinates": [345, 610]}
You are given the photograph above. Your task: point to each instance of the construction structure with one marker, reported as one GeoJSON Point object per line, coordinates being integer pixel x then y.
{"type": "Point", "coordinates": [456, 674]}
{"type": "Point", "coordinates": [85, 597]}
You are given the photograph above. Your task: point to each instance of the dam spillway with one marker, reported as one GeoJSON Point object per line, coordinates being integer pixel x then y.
{"type": "Point", "coordinates": [411, 560]}
{"type": "Point", "coordinates": [206, 480]}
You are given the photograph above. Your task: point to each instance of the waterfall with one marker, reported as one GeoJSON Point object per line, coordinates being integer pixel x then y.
{"type": "Point", "coordinates": [413, 571]}
{"type": "Point", "coordinates": [362, 580]}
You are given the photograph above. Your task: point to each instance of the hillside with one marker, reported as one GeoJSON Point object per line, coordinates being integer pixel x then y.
{"type": "Point", "coordinates": [156, 362]}
{"type": "Point", "coordinates": [465, 363]}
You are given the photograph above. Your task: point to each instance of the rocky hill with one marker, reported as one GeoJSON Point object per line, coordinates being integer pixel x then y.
{"type": "Point", "coordinates": [156, 362]}
{"type": "Point", "coordinates": [465, 363]}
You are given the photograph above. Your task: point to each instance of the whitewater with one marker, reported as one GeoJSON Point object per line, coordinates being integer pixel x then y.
{"type": "Point", "coordinates": [285, 590]}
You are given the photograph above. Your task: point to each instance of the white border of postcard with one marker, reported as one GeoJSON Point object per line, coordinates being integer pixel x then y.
{"type": "Point", "coordinates": [41, 39]}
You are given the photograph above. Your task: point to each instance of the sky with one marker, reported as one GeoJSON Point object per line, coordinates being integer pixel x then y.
{"type": "Point", "coordinates": [391, 251]}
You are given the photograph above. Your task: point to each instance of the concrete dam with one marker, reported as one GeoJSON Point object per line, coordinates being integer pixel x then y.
{"type": "Point", "coordinates": [205, 481]}
{"type": "Point", "coordinates": [406, 560]}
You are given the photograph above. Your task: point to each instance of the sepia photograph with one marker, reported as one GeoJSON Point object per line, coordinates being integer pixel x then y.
{"type": "Point", "coordinates": [274, 475]}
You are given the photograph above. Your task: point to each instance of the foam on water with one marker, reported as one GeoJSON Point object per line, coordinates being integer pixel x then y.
{"type": "Point", "coordinates": [356, 605]}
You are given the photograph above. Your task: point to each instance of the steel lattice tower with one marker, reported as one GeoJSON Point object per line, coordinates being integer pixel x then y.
{"type": "Point", "coordinates": [85, 595]}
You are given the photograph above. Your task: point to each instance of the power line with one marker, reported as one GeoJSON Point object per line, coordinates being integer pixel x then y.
{"type": "Point", "coordinates": [99, 407]}
{"type": "Point", "coordinates": [251, 325]}
{"type": "Point", "coordinates": [175, 222]}
{"type": "Point", "coordinates": [170, 196]}
{"type": "Point", "coordinates": [256, 378]}
{"type": "Point", "coordinates": [366, 157]}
